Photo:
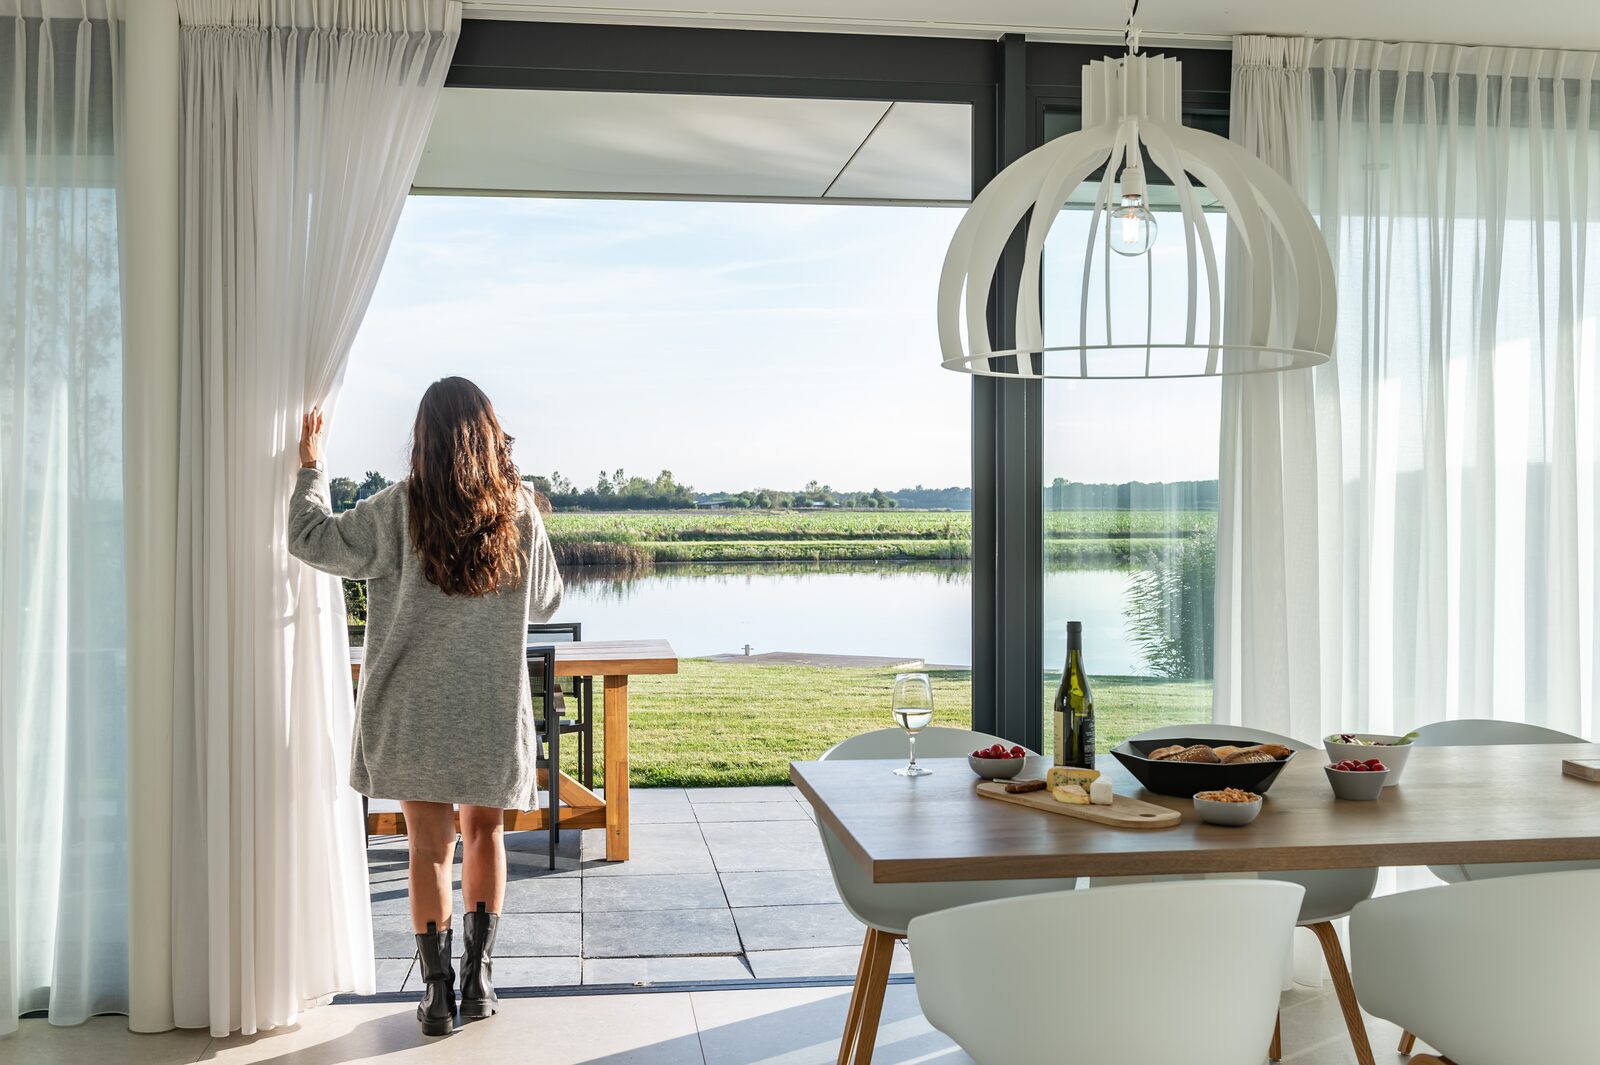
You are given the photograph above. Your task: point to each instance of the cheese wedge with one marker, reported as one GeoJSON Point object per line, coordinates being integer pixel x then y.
{"type": "Point", "coordinates": [1100, 793]}
{"type": "Point", "coordinates": [1061, 775]}
{"type": "Point", "coordinates": [1071, 794]}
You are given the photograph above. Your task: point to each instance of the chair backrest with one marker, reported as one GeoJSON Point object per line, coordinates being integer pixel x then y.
{"type": "Point", "coordinates": [542, 672]}
{"type": "Point", "coordinates": [1486, 972]}
{"type": "Point", "coordinates": [891, 906]}
{"type": "Point", "coordinates": [936, 742]}
{"type": "Point", "coordinates": [1230, 733]}
{"type": "Point", "coordinates": [557, 631]}
{"type": "Point", "coordinates": [1482, 731]}
{"type": "Point", "coordinates": [1187, 972]}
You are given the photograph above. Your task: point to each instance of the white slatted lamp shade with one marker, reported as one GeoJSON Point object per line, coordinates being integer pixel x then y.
{"type": "Point", "coordinates": [1282, 318]}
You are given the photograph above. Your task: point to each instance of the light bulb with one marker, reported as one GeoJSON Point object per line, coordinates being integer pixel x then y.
{"type": "Point", "coordinates": [1132, 227]}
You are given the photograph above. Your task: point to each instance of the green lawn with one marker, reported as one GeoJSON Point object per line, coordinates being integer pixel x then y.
{"type": "Point", "coordinates": [1096, 537]}
{"type": "Point", "coordinates": [728, 724]}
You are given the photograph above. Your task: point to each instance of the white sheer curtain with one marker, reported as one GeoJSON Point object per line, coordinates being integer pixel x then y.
{"type": "Point", "coordinates": [1425, 547]}
{"type": "Point", "coordinates": [303, 122]}
{"type": "Point", "coordinates": [63, 759]}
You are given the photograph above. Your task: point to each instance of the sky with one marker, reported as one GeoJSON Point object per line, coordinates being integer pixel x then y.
{"type": "Point", "coordinates": [737, 344]}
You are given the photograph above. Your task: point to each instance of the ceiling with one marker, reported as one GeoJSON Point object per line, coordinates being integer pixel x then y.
{"type": "Point", "coordinates": [683, 145]}
{"type": "Point", "coordinates": [1533, 23]}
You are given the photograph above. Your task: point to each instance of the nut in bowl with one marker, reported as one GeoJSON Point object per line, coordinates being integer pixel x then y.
{"type": "Point", "coordinates": [998, 762]}
{"type": "Point", "coordinates": [1362, 781]}
{"type": "Point", "coordinates": [1230, 806]}
{"type": "Point", "coordinates": [1392, 751]}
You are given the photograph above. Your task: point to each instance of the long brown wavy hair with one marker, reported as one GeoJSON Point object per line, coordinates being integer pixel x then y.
{"type": "Point", "coordinates": [464, 491]}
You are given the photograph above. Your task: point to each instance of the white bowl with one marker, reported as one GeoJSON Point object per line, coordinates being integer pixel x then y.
{"type": "Point", "coordinates": [996, 768]}
{"type": "Point", "coordinates": [1393, 757]}
{"type": "Point", "coordinates": [1232, 814]}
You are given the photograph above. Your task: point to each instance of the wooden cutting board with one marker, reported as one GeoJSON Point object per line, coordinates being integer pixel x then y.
{"type": "Point", "coordinates": [1582, 768]}
{"type": "Point", "coordinates": [1122, 813]}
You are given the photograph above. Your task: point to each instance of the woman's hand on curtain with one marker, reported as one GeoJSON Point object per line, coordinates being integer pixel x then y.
{"type": "Point", "coordinates": [311, 438]}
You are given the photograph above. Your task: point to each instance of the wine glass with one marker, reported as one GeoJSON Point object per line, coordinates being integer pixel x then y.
{"type": "Point", "coordinates": [912, 707]}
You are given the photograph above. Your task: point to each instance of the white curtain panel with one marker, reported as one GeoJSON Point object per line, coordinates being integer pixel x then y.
{"type": "Point", "coordinates": [1410, 535]}
{"type": "Point", "coordinates": [302, 126]}
{"type": "Point", "coordinates": [63, 759]}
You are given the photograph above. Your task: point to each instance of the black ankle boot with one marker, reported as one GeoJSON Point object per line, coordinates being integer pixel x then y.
{"type": "Point", "coordinates": [478, 999]}
{"type": "Point", "coordinates": [437, 1010]}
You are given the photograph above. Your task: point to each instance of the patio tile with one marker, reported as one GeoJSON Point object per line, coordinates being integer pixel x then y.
{"type": "Point", "coordinates": [538, 935]}
{"type": "Point", "coordinates": [801, 1026]}
{"type": "Point", "coordinates": [671, 891]}
{"type": "Point", "coordinates": [391, 975]}
{"type": "Point", "coordinates": [782, 927]}
{"type": "Point", "coordinates": [780, 810]}
{"type": "Point", "coordinates": [739, 847]}
{"type": "Point", "coordinates": [794, 887]}
{"type": "Point", "coordinates": [816, 961]}
{"type": "Point", "coordinates": [663, 970]}
{"type": "Point", "coordinates": [772, 793]}
{"type": "Point", "coordinates": [537, 972]}
{"type": "Point", "coordinates": [542, 894]}
{"type": "Point", "coordinates": [638, 797]}
{"type": "Point", "coordinates": [658, 933]}
{"type": "Point", "coordinates": [653, 849]}
{"type": "Point", "coordinates": [525, 934]}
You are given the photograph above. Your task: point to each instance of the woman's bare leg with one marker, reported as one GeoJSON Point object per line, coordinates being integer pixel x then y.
{"type": "Point", "coordinates": [483, 858]}
{"type": "Point", "coordinates": [432, 831]}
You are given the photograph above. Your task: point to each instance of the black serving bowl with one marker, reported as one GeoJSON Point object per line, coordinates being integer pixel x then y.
{"type": "Point", "coordinates": [1183, 779]}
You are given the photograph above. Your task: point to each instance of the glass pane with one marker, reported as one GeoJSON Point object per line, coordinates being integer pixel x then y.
{"type": "Point", "coordinates": [1130, 498]}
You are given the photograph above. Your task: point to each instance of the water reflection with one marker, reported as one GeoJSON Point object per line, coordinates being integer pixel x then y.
{"type": "Point", "coordinates": [889, 609]}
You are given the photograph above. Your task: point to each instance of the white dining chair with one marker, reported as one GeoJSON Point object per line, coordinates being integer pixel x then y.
{"type": "Point", "coordinates": [888, 909]}
{"type": "Point", "coordinates": [1488, 973]}
{"type": "Point", "coordinates": [1329, 893]}
{"type": "Point", "coordinates": [1181, 972]}
{"type": "Point", "coordinates": [1483, 732]}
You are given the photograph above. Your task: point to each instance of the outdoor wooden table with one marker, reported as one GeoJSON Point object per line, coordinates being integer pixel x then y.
{"type": "Point", "coordinates": [614, 661]}
{"type": "Point", "coordinates": [1454, 805]}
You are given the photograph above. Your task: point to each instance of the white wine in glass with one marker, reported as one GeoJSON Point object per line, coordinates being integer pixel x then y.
{"type": "Point", "coordinates": [912, 707]}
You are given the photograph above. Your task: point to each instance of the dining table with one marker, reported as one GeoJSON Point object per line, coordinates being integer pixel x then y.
{"type": "Point", "coordinates": [1453, 806]}
{"type": "Point", "coordinates": [615, 661]}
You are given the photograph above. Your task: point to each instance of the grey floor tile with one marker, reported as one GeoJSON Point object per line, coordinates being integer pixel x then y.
{"type": "Point", "coordinates": [788, 927]}
{"type": "Point", "coordinates": [392, 974]}
{"type": "Point", "coordinates": [777, 810]}
{"type": "Point", "coordinates": [815, 961]}
{"type": "Point", "coordinates": [663, 970]}
{"type": "Point", "coordinates": [538, 972]}
{"type": "Point", "coordinates": [671, 891]}
{"type": "Point", "coordinates": [658, 933]}
{"type": "Point", "coordinates": [801, 1026]}
{"type": "Point", "coordinates": [538, 935]}
{"type": "Point", "coordinates": [392, 937]}
{"type": "Point", "coordinates": [740, 847]}
{"type": "Point", "coordinates": [638, 797]}
{"type": "Point", "coordinates": [783, 792]}
{"type": "Point", "coordinates": [542, 894]}
{"type": "Point", "coordinates": [653, 850]}
{"type": "Point", "coordinates": [792, 887]}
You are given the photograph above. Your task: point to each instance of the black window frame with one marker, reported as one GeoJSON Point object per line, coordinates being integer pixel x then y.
{"type": "Point", "coordinates": [1011, 84]}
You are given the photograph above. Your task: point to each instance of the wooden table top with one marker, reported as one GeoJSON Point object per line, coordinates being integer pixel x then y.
{"type": "Point", "coordinates": [598, 658]}
{"type": "Point", "coordinates": [1454, 805]}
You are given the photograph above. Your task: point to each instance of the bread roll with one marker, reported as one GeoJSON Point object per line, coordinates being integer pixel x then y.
{"type": "Point", "coordinates": [1162, 754]}
{"type": "Point", "coordinates": [1247, 756]}
{"type": "Point", "coordinates": [1198, 753]}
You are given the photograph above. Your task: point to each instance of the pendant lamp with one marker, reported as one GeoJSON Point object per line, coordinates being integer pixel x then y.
{"type": "Point", "coordinates": [1280, 312]}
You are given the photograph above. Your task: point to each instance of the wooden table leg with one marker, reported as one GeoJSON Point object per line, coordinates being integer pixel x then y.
{"type": "Point", "coordinates": [1345, 989]}
{"type": "Point", "coordinates": [616, 767]}
{"type": "Point", "coordinates": [1275, 1051]}
{"type": "Point", "coordinates": [1407, 1042]}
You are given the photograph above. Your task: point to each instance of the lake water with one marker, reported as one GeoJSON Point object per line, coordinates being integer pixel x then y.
{"type": "Point", "coordinates": [900, 610]}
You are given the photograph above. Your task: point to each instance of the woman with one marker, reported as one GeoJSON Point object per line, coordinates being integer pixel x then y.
{"type": "Point", "coordinates": [457, 564]}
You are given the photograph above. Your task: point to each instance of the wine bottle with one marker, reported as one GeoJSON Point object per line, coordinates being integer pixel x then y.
{"type": "Point", "coordinates": [1074, 707]}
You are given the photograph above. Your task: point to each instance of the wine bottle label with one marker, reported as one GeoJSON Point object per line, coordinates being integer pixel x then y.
{"type": "Point", "coordinates": [1086, 732]}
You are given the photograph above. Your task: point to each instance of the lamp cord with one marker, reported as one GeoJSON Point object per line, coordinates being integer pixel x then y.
{"type": "Point", "coordinates": [1130, 35]}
